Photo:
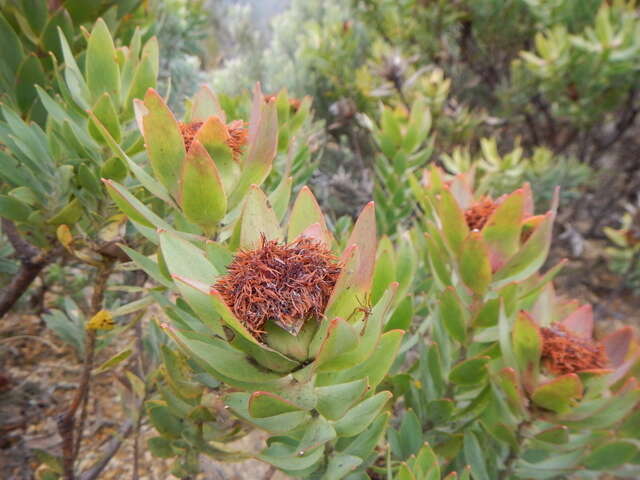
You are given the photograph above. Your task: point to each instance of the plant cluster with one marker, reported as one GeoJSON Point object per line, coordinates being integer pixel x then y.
{"type": "Point", "coordinates": [424, 340]}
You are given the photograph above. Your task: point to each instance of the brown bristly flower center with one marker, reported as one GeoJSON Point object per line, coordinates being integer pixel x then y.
{"type": "Point", "coordinates": [238, 136]}
{"type": "Point", "coordinates": [287, 283]}
{"type": "Point", "coordinates": [237, 139]}
{"type": "Point", "coordinates": [188, 131]}
{"type": "Point", "coordinates": [563, 352]}
{"type": "Point", "coordinates": [478, 214]}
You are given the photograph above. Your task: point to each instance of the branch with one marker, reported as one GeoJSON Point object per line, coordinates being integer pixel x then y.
{"type": "Point", "coordinates": [112, 448]}
{"type": "Point", "coordinates": [32, 262]}
{"type": "Point", "coordinates": [66, 423]}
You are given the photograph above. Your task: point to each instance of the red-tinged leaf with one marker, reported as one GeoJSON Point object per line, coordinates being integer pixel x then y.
{"type": "Point", "coordinates": [453, 314]}
{"type": "Point", "coordinates": [527, 347]}
{"type": "Point", "coordinates": [461, 191]}
{"type": "Point", "coordinates": [528, 200]}
{"type": "Point", "coordinates": [258, 218]}
{"type": "Point", "coordinates": [205, 104]}
{"type": "Point", "coordinates": [475, 268]}
{"type": "Point", "coordinates": [306, 212]}
{"type": "Point", "coordinates": [530, 257]}
{"type": "Point", "coordinates": [267, 404]}
{"type": "Point", "coordinates": [213, 135]}
{"type": "Point", "coordinates": [580, 322]}
{"type": "Point", "coordinates": [263, 143]}
{"type": "Point", "coordinates": [454, 225]}
{"type": "Point", "coordinates": [617, 345]}
{"type": "Point", "coordinates": [559, 394]}
{"type": "Point", "coordinates": [364, 236]}
{"type": "Point", "coordinates": [202, 195]}
{"type": "Point", "coordinates": [345, 296]}
{"type": "Point", "coordinates": [229, 317]}
{"type": "Point", "coordinates": [502, 230]}
{"type": "Point", "coordinates": [163, 140]}
{"type": "Point", "coordinates": [508, 381]}
{"type": "Point", "coordinates": [314, 232]}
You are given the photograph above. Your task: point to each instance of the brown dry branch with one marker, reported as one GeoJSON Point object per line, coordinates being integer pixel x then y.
{"type": "Point", "coordinates": [32, 261]}
{"type": "Point", "coordinates": [72, 438]}
{"type": "Point", "coordinates": [288, 283]}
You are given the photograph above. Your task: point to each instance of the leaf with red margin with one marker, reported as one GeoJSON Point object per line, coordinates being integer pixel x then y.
{"type": "Point", "coordinates": [475, 267]}
{"type": "Point", "coordinates": [560, 394]}
{"type": "Point", "coordinates": [617, 345]}
{"type": "Point", "coordinates": [205, 104]}
{"type": "Point", "coordinates": [502, 230]}
{"type": "Point", "coordinates": [263, 142]}
{"type": "Point", "coordinates": [202, 195]}
{"type": "Point", "coordinates": [580, 322]}
{"type": "Point", "coordinates": [306, 212]}
{"type": "Point", "coordinates": [527, 348]}
{"type": "Point", "coordinates": [213, 135]}
{"type": "Point", "coordinates": [508, 381]}
{"type": "Point", "coordinates": [530, 257]}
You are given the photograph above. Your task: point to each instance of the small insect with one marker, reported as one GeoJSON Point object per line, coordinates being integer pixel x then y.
{"type": "Point", "coordinates": [364, 307]}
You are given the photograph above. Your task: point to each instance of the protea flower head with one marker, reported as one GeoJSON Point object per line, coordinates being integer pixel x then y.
{"type": "Point", "coordinates": [289, 283]}
{"type": "Point", "coordinates": [564, 352]}
{"type": "Point", "coordinates": [477, 214]}
{"type": "Point", "coordinates": [236, 135]}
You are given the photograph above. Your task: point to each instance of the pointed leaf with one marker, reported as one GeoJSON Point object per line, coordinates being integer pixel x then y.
{"type": "Point", "coordinates": [560, 394]}
{"type": "Point", "coordinates": [359, 417]}
{"type": "Point", "coordinates": [163, 141]}
{"type": "Point", "coordinates": [304, 213]}
{"type": "Point", "coordinates": [475, 268]}
{"type": "Point", "coordinates": [103, 74]}
{"type": "Point", "coordinates": [202, 197]}
{"type": "Point", "coordinates": [501, 233]}
{"type": "Point", "coordinates": [335, 400]}
{"type": "Point", "coordinates": [266, 404]}
{"type": "Point", "coordinates": [214, 135]}
{"type": "Point", "coordinates": [258, 218]}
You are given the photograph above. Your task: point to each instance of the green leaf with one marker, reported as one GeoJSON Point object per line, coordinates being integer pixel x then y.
{"type": "Point", "coordinates": [454, 225]}
{"type": "Point", "coordinates": [527, 346]}
{"type": "Point", "coordinates": [73, 77]}
{"type": "Point", "coordinates": [279, 198]}
{"type": "Point", "coordinates": [163, 141]}
{"type": "Point", "coordinates": [284, 423]}
{"type": "Point", "coordinates": [213, 135]}
{"type": "Point", "coordinates": [502, 230]}
{"type": "Point", "coordinates": [205, 104]}
{"type": "Point", "coordinates": [363, 444]}
{"type": "Point", "coordinates": [263, 142]}
{"type": "Point", "coordinates": [559, 394]}
{"type": "Point", "coordinates": [475, 268]}
{"type": "Point", "coordinates": [611, 456]}
{"type": "Point", "coordinates": [30, 73]}
{"type": "Point", "coordinates": [132, 207]}
{"type": "Point", "coordinates": [306, 212]}
{"type": "Point", "coordinates": [558, 435]}
{"type": "Point", "coordinates": [475, 456]}
{"type": "Point", "coordinates": [144, 78]}
{"type": "Point", "coordinates": [114, 361]}
{"type": "Point", "coordinates": [341, 338]}
{"type": "Point", "coordinates": [266, 404]}
{"type": "Point", "coordinates": [164, 421]}
{"type": "Point", "coordinates": [258, 218]}
{"type": "Point", "coordinates": [12, 52]}
{"type": "Point", "coordinates": [202, 197]}
{"type": "Point", "coordinates": [341, 465]}
{"type": "Point", "coordinates": [470, 372]}
{"type": "Point", "coordinates": [160, 447]}
{"type": "Point", "coordinates": [530, 257]}
{"type": "Point", "coordinates": [105, 111]}
{"type": "Point", "coordinates": [377, 365]}
{"type": "Point", "coordinates": [287, 460]}
{"type": "Point", "coordinates": [69, 214]}
{"type": "Point", "coordinates": [317, 433]}
{"type": "Point", "coordinates": [13, 209]}
{"type": "Point", "coordinates": [335, 400]}
{"type": "Point", "coordinates": [103, 73]}
{"type": "Point", "coordinates": [453, 314]}
{"type": "Point", "coordinates": [508, 381]}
